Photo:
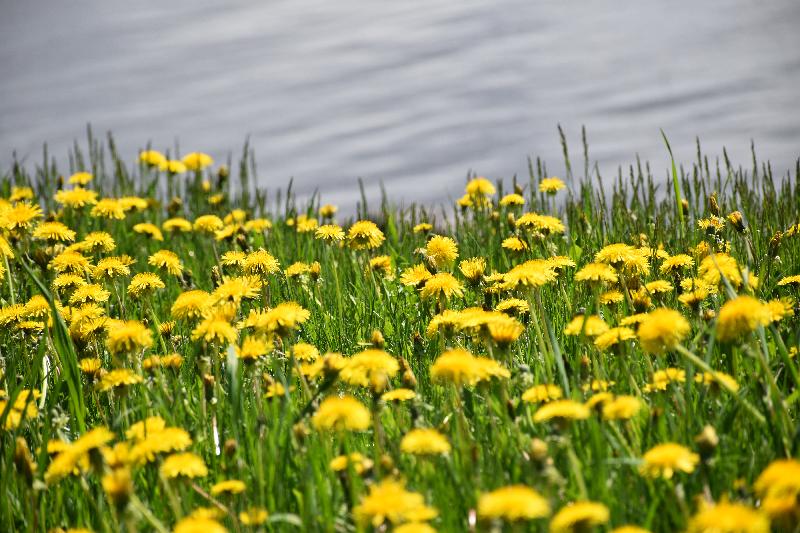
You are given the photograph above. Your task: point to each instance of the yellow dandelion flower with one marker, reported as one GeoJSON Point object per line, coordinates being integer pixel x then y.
{"type": "Point", "coordinates": [190, 304]}
{"type": "Point", "coordinates": [144, 284]}
{"type": "Point", "coordinates": [661, 330]}
{"type": "Point", "coordinates": [110, 208]}
{"type": "Point", "coordinates": [513, 503]}
{"type": "Point", "coordinates": [177, 225]}
{"type": "Point", "coordinates": [560, 410]}
{"type": "Point", "coordinates": [168, 261]}
{"type": "Point", "coordinates": [543, 393]}
{"type": "Point", "coordinates": [341, 413]}
{"type": "Point", "coordinates": [613, 336]}
{"type": "Point", "coordinates": [441, 251]}
{"type": "Point", "coordinates": [579, 516]}
{"type": "Point", "coordinates": [120, 377]}
{"type": "Point", "coordinates": [364, 235]}
{"type": "Point", "coordinates": [197, 160]}
{"type": "Point", "coordinates": [187, 465]}
{"type": "Point", "coordinates": [621, 408]}
{"type": "Point", "coordinates": [725, 517]}
{"type": "Point", "coordinates": [741, 316]}
{"type": "Point", "coordinates": [75, 198]}
{"type": "Point", "coordinates": [330, 233]}
{"type": "Point", "coordinates": [423, 441]}
{"type": "Point", "coordinates": [389, 500]}
{"type": "Point", "coordinates": [665, 459]}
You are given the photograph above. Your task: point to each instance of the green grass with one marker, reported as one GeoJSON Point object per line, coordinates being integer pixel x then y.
{"type": "Point", "coordinates": [272, 445]}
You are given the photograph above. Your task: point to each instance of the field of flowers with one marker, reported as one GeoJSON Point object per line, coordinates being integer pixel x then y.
{"type": "Point", "coordinates": [183, 352]}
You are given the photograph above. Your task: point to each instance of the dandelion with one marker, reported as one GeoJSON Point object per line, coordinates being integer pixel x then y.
{"type": "Point", "coordinates": [330, 233]}
{"type": "Point", "coordinates": [230, 486]}
{"type": "Point", "coordinates": [190, 304]}
{"type": "Point", "coordinates": [545, 224]}
{"type": "Point", "coordinates": [460, 367]}
{"type": "Point", "coordinates": [561, 410]}
{"type": "Point", "coordinates": [441, 251]}
{"type": "Point", "coordinates": [551, 185]}
{"type": "Point", "coordinates": [53, 231]}
{"type": "Point", "coordinates": [398, 395]}
{"type": "Point", "coordinates": [364, 235]}
{"type": "Point", "coordinates": [579, 516]}
{"type": "Point", "coordinates": [597, 273]}
{"type": "Point", "coordinates": [422, 227]}
{"type": "Point", "coordinates": [19, 217]}
{"type": "Point", "coordinates": [121, 377]}
{"type": "Point", "coordinates": [542, 393]}
{"type": "Point", "coordinates": [662, 330]}
{"type": "Point", "coordinates": [153, 158]}
{"type": "Point", "coordinates": [89, 293]}
{"type": "Point", "coordinates": [741, 316]}
{"type": "Point", "coordinates": [76, 198]}
{"type": "Point", "coordinates": [110, 208]}
{"type": "Point", "coordinates": [664, 460]}
{"type": "Point", "coordinates": [621, 408]}
{"type": "Point", "coordinates": [442, 285]}
{"type": "Point", "coordinates": [168, 261]}
{"type": "Point", "coordinates": [725, 517]}
{"type": "Point", "coordinates": [612, 337]}
{"type": "Point", "coordinates": [591, 326]}
{"type": "Point", "coordinates": [208, 224]}
{"type": "Point", "coordinates": [192, 524]}
{"type": "Point", "coordinates": [512, 200]}
{"type": "Point", "coordinates": [515, 244]}
{"type": "Point", "coordinates": [177, 225]}
{"type": "Point", "coordinates": [513, 503]}
{"type": "Point", "coordinates": [252, 348]}
{"type": "Point", "coordinates": [255, 516]}
{"type": "Point", "coordinates": [341, 413]}
{"type": "Point", "coordinates": [370, 368]}
{"type": "Point", "coordinates": [197, 160]}
{"type": "Point", "coordinates": [144, 284]}
{"type": "Point", "coordinates": [779, 487]}
{"type": "Point", "coordinates": [389, 500]}
{"type": "Point", "coordinates": [480, 186]}
{"type": "Point", "coordinates": [425, 442]}
{"type": "Point", "coordinates": [260, 263]}
{"type": "Point", "coordinates": [185, 465]}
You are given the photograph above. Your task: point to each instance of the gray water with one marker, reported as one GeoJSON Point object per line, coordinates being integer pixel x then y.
{"type": "Point", "coordinates": [411, 93]}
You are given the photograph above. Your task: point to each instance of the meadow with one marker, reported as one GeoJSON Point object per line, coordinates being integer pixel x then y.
{"type": "Point", "coordinates": [182, 351]}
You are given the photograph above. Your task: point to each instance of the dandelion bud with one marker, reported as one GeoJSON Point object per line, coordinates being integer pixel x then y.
{"type": "Point", "coordinates": [511, 221]}
{"type": "Point", "coordinates": [230, 447]}
{"type": "Point", "coordinates": [387, 463]}
{"type": "Point", "coordinates": [774, 243]}
{"type": "Point", "coordinates": [174, 206]}
{"type": "Point", "coordinates": [377, 339]}
{"type": "Point", "coordinates": [206, 186]}
{"type": "Point", "coordinates": [223, 172]}
{"type": "Point", "coordinates": [713, 206]}
{"type": "Point", "coordinates": [118, 486]}
{"type": "Point", "coordinates": [300, 431]}
{"type": "Point", "coordinates": [685, 204]}
{"type": "Point", "coordinates": [216, 276]}
{"type": "Point", "coordinates": [495, 215]}
{"type": "Point", "coordinates": [315, 270]}
{"type": "Point", "coordinates": [709, 314]}
{"type": "Point", "coordinates": [538, 450]}
{"type": "Point", "coordinates": [736, 221]}
{"type": "Point", "coordinates": [707, 441]}
{"type": "Point", "coordinates": [24, 461]}
{"type": "Point", "coordinates": [517, 188]}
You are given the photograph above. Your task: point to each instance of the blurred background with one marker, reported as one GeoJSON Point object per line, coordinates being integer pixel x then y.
{"type": "Point", "coordinates": [413, 94]}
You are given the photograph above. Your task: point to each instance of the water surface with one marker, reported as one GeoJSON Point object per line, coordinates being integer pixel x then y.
{"type": "Point", "coordinates": [413, 93]}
